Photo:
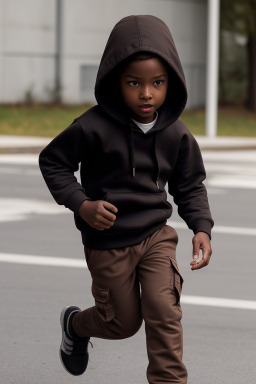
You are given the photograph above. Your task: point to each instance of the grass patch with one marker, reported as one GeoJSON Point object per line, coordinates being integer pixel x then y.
{"type": "Point", "coordinates": [41, 120]}
{"type": "Point", "coordinates": [231, 122]}
{"type": "Point", "coordinates": [48, 121]}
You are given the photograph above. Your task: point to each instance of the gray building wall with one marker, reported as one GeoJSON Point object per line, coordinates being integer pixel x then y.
{"type": "Point", "coordinates": [28, 44]}
{"type": "Point", "coordinates": [27, 48]}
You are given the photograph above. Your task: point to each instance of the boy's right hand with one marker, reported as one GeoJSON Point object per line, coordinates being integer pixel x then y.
{"type": "Point", "coordinates": [97, 215]}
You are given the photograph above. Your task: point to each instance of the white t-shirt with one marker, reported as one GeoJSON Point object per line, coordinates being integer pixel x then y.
{"type": "Point", "coordinates": [146, 127]}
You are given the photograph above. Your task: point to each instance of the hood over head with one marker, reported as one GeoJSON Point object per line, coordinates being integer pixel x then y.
{"type": "Point", "coordinates": [131, 35]}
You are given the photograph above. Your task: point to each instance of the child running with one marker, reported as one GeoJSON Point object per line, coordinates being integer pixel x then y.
{"type": "Point", "coordinates": [130, 146]}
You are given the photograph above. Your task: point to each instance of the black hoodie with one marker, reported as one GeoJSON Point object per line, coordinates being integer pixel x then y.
{"type": "Point", "coordinates": [122, 165]}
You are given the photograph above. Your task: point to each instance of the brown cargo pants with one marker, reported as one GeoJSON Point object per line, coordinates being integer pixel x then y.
{"type": "Point", "coordinates": [138, 283]}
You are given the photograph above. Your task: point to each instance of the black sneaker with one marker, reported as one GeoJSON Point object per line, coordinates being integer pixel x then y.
{"type": "Point", "coordinates": [74, 349]}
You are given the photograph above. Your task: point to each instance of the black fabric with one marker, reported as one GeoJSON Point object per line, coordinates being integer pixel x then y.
{"type": "Point", "coordinates": [121, 164]}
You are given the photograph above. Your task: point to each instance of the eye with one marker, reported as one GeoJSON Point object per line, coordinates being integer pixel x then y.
{"type": "Point", "coordinates": [158, 82]}
{"type": "Point", "coordinates": [133, 83]}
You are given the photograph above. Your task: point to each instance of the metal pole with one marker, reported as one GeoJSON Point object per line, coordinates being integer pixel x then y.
{"type": "Point", "coordinates": [58, 35]}
{"type": "Point", "coordinates": [212, 68]}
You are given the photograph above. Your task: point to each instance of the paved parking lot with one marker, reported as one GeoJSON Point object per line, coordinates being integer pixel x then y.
{"type": "Point", "coordinates": [42, 270]}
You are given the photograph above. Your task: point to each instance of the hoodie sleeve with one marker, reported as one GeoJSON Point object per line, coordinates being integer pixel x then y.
{"type": "Point", "coordinates": [187, 188]}
{"type": "Point", "coordinates": [58, 163]}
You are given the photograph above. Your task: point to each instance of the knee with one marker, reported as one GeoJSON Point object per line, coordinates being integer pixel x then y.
{"type": "Point", "coordinates": [125, 329]}
{"type": "Point", "coordinates": [133, 328]}
{"type": "Point", "coordinates": [165, 311]}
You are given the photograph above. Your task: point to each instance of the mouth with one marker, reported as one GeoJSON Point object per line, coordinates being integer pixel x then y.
{"type": "Point", "coordinates": [146, 107]}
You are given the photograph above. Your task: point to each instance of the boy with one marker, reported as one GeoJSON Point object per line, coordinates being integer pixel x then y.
{"type": "Point", "coordinates": [130, 146]}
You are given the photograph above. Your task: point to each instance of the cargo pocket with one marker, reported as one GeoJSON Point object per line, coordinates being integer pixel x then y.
{"type": "Point", "coordinates": [176, 281]}
{"type": "Point", "coordinates": [103, 302]}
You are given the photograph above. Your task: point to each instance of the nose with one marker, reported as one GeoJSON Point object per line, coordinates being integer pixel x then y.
{"type": "Point", "coordinates": [146, 93]}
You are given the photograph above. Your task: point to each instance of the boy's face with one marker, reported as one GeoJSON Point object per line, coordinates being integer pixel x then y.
{"type": "Point", "coordinates": [143, 86]}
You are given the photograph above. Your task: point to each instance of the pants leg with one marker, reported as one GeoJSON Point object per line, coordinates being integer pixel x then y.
{"type": "Point", "coordinates": [161, 288]}
{"type": "Point", "coordinates": [115, 287]}
{"type": "Point", "coordinates": [118, 309]}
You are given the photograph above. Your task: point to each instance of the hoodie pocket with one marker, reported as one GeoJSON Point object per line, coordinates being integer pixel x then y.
{"type": "Point", "coordinates": [126, 201]}
{"type": "Point", "coordinates": [138, 211]}
{"type": "Point", "coordinates": [103, 302]}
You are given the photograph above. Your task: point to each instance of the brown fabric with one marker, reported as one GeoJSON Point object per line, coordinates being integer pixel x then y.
{"type": "Point", "coordinates": [120, 306]}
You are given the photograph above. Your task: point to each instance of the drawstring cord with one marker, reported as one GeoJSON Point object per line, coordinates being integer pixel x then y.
{"type": "Point", "coordinates": [131, 146]}
{"type": "Point", "coordinates": [132, 152]}
{"type": "Point", "coordinates": [157, 165]}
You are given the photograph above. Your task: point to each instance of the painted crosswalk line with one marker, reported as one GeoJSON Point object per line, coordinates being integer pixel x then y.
{"type": "Point", "coordinates": [81, 264]}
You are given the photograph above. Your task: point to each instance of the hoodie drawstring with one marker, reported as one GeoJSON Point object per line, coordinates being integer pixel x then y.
{"type": "Point", "coordinates": [133, 164]}
{"type": "Point", "coordinates": [131, 142]}
{"type": "Point", "coordinates": [157, 164]}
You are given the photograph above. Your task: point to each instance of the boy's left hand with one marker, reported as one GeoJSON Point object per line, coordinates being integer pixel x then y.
{"type": "Point", "coordinates": [201, 241]}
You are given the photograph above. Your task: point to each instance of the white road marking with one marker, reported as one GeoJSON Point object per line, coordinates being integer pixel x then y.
{"type": "Point", "coordinates": [219, 229]}
{"type": "Point", "coordinates": [239, 157]}
{"type": "Point", "coordinates": [233, 182]}
{"type": "Point", "coordinates": [77, 263]}
{"type": "Point", "coordinates": [42, 260]}
{"type": "Point", "coordinates": [232, 168]}
{"type": "Point", "coordinates": [20, 209]}
{"type": "Point", "coordinates": [219, 302]}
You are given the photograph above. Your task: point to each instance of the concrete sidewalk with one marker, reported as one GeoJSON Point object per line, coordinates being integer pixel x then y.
{"type": "Point", "coordinates": [27, 144]}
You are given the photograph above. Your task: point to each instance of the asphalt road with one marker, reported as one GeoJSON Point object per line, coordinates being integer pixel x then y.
{"type": "Point", "coordinates": [219, 302]}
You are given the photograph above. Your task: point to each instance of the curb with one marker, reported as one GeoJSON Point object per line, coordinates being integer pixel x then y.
{"type": "Point", "coordinates": [20, 150]}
